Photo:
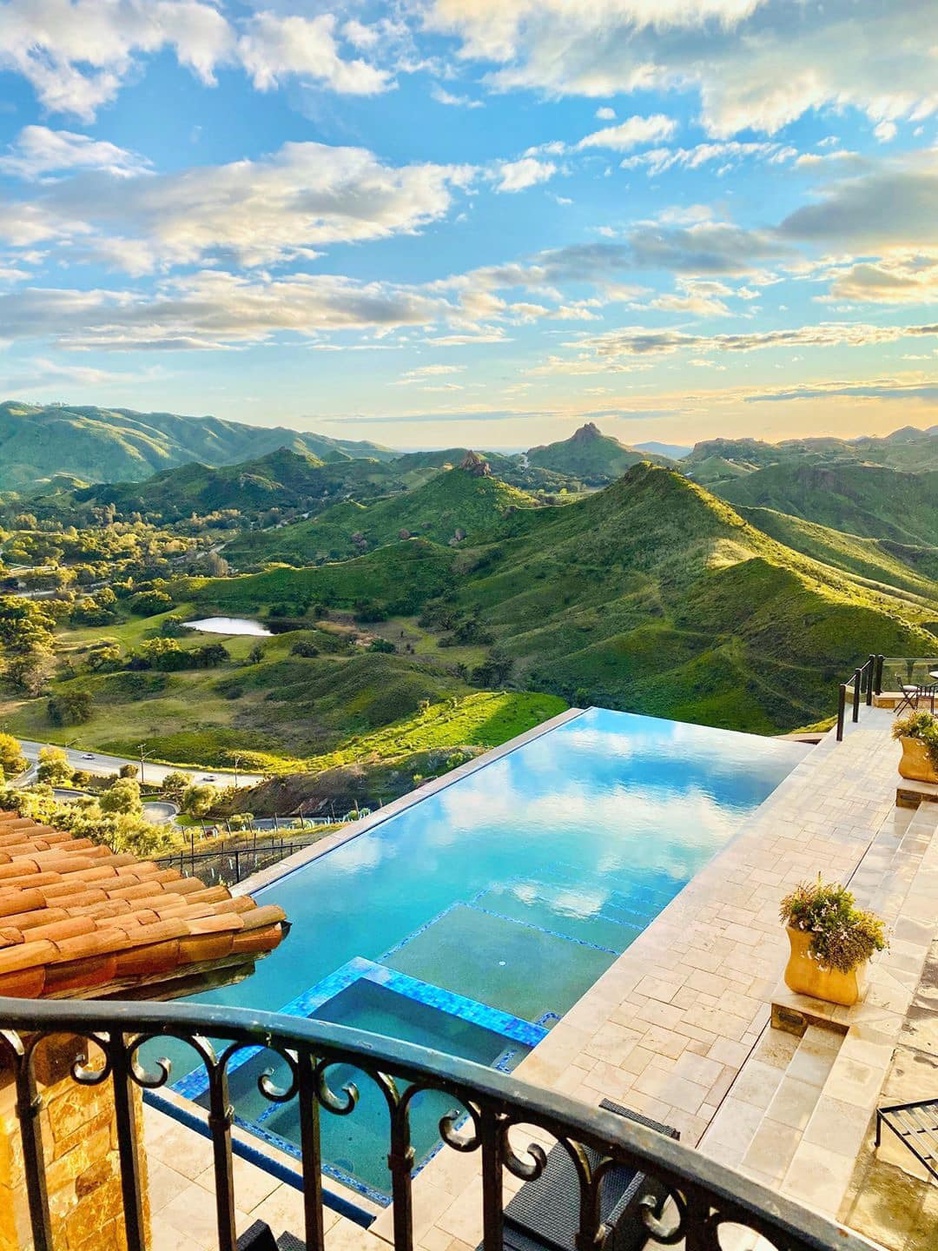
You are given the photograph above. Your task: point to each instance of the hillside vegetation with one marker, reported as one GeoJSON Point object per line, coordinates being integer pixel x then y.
{"type": "Point", "coordinates": [651, 595]}
{"type": "Point", "coordinates": [868, 500]}
{"type": "Point", "coordinates": [456, 506]}
{"type": "Point", "coordinates": [116, 444]}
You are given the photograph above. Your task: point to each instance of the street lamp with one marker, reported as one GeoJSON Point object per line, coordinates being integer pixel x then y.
{"type": "Point", "coordinates": [237, 761]}
{"type": "Point", "coordinates": [143, 756]}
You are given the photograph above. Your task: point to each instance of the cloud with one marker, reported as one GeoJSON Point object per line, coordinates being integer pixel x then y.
{"type": "Point", "coordinates": [280, 207]}
{"type": "Point", "coordinates": [423, 372]}
{"type": "Point", "coordinates": [889, 389]}
{"type": "Point", "coordinates": [756, 64]}
{"type": "Point", "coordinates": [885, 132]}
{"type": "Point", "coordinates": [77, 55]}
{"type": "Point", "coordinates": [729, 154]}
{"type": "Point", "coordinates": [515, 176]}
{"type": "Point", "coordinates": [40, 152]}
{"type": "Point", "coordinates": [909, 278]}
{"type": "Point", "coordinates": [640, 341]}
{"type": "Point", "coordinates": [631, 133]}
{"type": "Point", "coordinates": [894, 203]}
{"type": "Point", "coordinates": [273, 48]}
{"type": "Point", "coordinates": [605, 114]}
{"type": "Point", "coordinates": [210, 311]}
{"type": "Point", "coordinates": [458, 102]}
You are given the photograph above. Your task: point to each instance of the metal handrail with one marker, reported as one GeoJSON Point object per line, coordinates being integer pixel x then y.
{"type": "Point", "coordinates": [703, 1195]}
{"type": "Point", "coordinates": [868, 679]}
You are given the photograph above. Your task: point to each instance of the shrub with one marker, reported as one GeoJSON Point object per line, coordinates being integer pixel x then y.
{"type": "Point", "coordinates": [843, 936]}
{"type": "Point", "coordinates": [70, 708]}
{"type": "Point", "coordinates": [129, 771]}
{"type": "Point", "coordinates": [12, 760]}
{"type": "Point", "coordinates": [122, 796]}
{"type": "Point", "coordinates": [920, 725]}
{"type": "Point", "coordinates": [149, 603]}
{"type": "Point", "coordinates": [304, 648]}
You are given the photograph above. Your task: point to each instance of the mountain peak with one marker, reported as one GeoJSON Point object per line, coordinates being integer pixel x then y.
{"type": "Point", "coordinates": [587, 433]}
{"type": "Point", "coordinates": [476, 465]}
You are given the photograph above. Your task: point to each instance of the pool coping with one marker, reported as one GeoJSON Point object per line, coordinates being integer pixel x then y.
{"type": "Point", "coordinates": [274, 873]}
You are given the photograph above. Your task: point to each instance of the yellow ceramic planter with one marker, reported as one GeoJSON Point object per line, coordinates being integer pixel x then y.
{"type": "Point", "coordinates": [806, 977]}
{"type": "Point", "coordinates": [916, 763]}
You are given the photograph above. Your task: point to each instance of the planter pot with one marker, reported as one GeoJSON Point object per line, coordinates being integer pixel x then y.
{"type": "Point", "coordinates": [806, 977]}
{"type": "Point", "coordinates": [916, 763]}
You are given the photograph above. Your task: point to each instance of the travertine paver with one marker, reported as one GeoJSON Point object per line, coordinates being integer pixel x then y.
{"type": "Point", "coordinates": [677, 1027]}
{"type": "Point", "coordinates": [697, 984]}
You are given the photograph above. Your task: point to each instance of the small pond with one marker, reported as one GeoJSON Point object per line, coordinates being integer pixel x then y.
{"type": "Point", "coordinates": [229, 625]}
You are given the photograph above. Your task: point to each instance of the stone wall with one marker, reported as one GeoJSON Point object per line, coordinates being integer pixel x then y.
{"type": "Point", "coordinates": [79, 1136]}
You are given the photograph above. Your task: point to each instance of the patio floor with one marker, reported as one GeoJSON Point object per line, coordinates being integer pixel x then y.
{"type": "Point", "coordinates": [678, 1027]}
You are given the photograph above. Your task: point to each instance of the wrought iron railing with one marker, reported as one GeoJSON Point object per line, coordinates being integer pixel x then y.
{"type": "Point", "coordinates": [234, 863]}
{"type": "Point", "coordinates": [866, 681]}
{"type": "Point", "coordinates": [489, 1111]}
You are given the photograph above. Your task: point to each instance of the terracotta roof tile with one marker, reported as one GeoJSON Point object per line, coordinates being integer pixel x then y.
{"type": "Point", "coordinates": [78, 920]}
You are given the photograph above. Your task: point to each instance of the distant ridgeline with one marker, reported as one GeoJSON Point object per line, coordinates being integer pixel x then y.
{"type": "Point", "coordinates": [733, 587]}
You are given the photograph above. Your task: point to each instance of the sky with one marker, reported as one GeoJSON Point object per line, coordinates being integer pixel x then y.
{"type": "Point", "coordinates": [475, 222]}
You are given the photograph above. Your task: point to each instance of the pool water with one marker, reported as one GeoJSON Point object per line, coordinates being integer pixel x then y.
{"type": "Point", "coordinates": [516, 886]}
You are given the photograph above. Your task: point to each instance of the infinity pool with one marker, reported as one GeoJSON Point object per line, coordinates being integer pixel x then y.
{"type": "Point", "coordinates": [512, 889]}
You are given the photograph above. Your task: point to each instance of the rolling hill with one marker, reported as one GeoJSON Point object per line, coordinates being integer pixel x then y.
{"type": "Point", "coordinates": [114, 445]}
{"type": "Point", "coordinates": [872, 501]}
{"type": "Point", "coordinates": [456, 506]}
{"type": "Point", "coordinates": [716, 460]}
{"type": "Point", "coordinates": [651, 595]}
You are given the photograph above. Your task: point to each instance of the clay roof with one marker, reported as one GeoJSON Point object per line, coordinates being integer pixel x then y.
{"type": "Point", "coordinates": [79, 921]}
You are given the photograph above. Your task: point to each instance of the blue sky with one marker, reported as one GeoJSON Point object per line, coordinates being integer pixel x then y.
{"type": "Point", "coordinates": [441, 222]}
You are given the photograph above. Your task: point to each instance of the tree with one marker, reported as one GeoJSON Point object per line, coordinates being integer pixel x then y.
{"type": "Point", "coordinates": [175, 783]}
{"type": "Point", "coordinates": [122, 796]}
{"type": "Point", "coordinates": [198, 799]}
{"type": "Point", "coordinates": [211, 655]}
{"type": "Point", "coordinates": [53, 766]}
{"type": "Point", "coordinates": [12, 760]}
{"type": "Point", "coordinates": [149, 603]}
{"type": "Point", "coordinates": [104, 658]}
{"type": "Point", "coordinates": [70, 708]}
{"type": "Point", "coordinates": [304, 648]}
{"type": "Point", "coordinates": [381, 645]}
{"type": "Point", "coordinates": [28, 671]}
{"type": "Point", "coordinates": [129, 770]}
{"type": "Point", "coordinates": [256, 654]}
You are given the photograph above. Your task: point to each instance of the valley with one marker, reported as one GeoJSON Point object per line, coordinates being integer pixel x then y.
{"type": "Point", "coordinates": [419, 608]}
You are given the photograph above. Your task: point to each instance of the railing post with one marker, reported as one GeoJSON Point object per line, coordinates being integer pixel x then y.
{"type": "Point", "coordinates": [880, 661]}
{"type": "Point", "coordinates": [28, 1107]}
{"type": "Point", "coordinates": [126, 1119]}
{"type": "Point", "coordinates": [493, 1156]}
{"type": "Point", "coordinates": [310, 1153]}
{"type": "Point", "coordinates": [841, 709]}
{"type": "Point", "coordinates": [401, 1164]}
{"type": "Point", "coordinates": [857, 682]}
{"type": "Point", "coordinates": [870, 669]}
{"type": "Point", "coordinates": [220, 1117]}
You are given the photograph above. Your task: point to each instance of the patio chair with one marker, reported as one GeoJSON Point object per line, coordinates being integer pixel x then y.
{"type": "Point", "coordinates": [544, 1214]}
{"type": "Point", "coordinates": [259, 1237]}
{"type": "Point", "coordinates": [912, 692]}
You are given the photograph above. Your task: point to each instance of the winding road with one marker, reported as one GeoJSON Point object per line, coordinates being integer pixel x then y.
{"type": "Point", "coordinates": [101, 764]}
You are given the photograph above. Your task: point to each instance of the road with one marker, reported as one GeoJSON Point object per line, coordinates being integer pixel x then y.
{"type": "Point", "coordinates": [100, 764]}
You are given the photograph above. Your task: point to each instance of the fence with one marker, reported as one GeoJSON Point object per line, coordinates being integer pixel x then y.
{"type": "Point", "coordinates": [229, 865]}
{"type": "Point", "coordinates": [680, 1196]}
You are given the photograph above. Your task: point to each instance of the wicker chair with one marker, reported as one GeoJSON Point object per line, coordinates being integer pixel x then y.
{"type": "Point", "coordinates": [544, 1214]}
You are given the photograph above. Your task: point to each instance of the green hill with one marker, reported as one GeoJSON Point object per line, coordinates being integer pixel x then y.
{"type": "Point", "coordinates": [715, 460]}
{"type": "Point", "coordinates": [119, 445]}
{"type": "Point", "coordinates": [872, 501]}
{"type": "Point", "coordinates": [651, 595]}
{"type": "Point", "coordinates": [284, 480]}
{"type": "Point", "coordinates": [588, 454]}
{"type": "Point", "coordinates": [457, 506]}
{"type": "Point", "coordinates": [888, 566]}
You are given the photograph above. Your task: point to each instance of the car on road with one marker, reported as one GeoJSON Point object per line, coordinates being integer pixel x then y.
{"type": "Point", "coordinates": [208, 777]}
{"type": "Point", "coordinates": [87, 755]}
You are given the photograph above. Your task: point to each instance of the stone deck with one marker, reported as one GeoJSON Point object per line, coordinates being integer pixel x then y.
{"type": "Point", "coordinates": [678, 1027]}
